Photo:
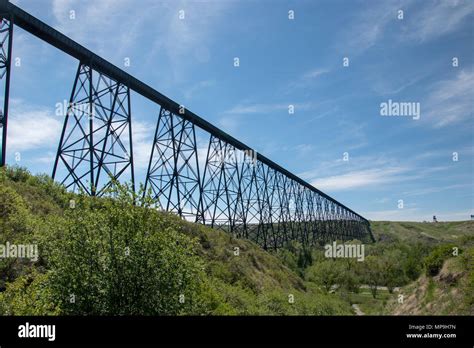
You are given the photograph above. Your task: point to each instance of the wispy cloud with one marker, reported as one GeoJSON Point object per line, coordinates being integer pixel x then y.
{"type": "Point", "coordinates": [266, 108]}
{"type": "Point", "coordinates": [233, 117]}
{"type": "Point", "coordinates": [368, 172]}
{"type": "Point", "coordinates": [437, 18]}
{"type": "Point", "coordinates": [368, 27]}
{"type": "Point", "coordinates": [175, 42]}
{"type": "Point", "coordinates": [359, 179]}
{"type": "Point", "coordinates": [451, 100]}
{"type": "Point", "coordinates": [436, 189]}
{"type": "Point", "coordinates": [307, 79]}
{"type": "Point", "coordinates": [406, 214]}
{"type": "Point", "coordinates": [424, 22]}
{"type": "Point", "coordinates": [416, 214]}
{"type": "Point", "coordinates": [197, 88]}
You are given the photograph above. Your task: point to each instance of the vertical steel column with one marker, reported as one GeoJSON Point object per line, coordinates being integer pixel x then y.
{"type": "Point", "coordinates": [282, 205]}
{"type": "Point", "coordinates": [6, 40]}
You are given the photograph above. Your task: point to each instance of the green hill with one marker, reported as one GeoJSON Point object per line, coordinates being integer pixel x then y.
{"type": "Point", "coordinates": [121, 256]}
{"type": "Point", "coordinates": [451, 292]}
{"type": "Point", "coordinates": [82, 258]}
{"type": "Point", "coordinates": [426, 232]}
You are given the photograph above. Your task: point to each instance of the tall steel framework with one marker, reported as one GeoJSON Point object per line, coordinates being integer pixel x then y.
{"type": "Point", "coordinates": [6, 39]}
{"type": "Point", "coordinates": [95, 147]}
{"type": "Point", "coordinates": [231, 187]}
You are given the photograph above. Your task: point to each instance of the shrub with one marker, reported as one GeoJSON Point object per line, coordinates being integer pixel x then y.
{"type": "Point", "coordinates": [434, 261]}
{"type": "Point", "coordinates": [326, 273]}
{"type": "Point", "coordinates": [115, 258]}
{"type": "Point", "coordinates": [29, 294]}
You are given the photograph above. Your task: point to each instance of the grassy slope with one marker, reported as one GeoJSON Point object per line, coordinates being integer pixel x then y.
{"type": "Point", "coordinates": [257, 282]}
{"type": "Point", "coordinates": [450, 292]}
{"type": "Point", "coordinates": [253, 282]}
{"type": "Point", "coordinates": [425, 232]}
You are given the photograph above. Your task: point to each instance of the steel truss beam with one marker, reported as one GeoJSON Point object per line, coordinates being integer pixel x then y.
{"type": "Point", "coordinates": [95, 148]}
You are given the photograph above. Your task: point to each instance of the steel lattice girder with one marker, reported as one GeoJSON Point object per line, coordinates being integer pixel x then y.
{"type": "Point", "coordinates": [97, 134]}
{"type": "Point", "coordinates": [6, 38]}
{"type": "Point", "coordinates": [240, 198]}
{"type": "Point", "coordinates": [173, 171]}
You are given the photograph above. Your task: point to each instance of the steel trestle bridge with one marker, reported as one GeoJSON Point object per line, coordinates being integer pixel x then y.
{"type": "Point", "coordinates": [233, 188]}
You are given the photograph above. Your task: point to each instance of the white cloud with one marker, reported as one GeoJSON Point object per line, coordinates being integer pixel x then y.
{"type": "Point", "coordinates": [32, 127]}
{"type": "Point", "coordinates": [406, 214]}
{"type": "Point", "coordinates": [113, 28]}
{"type": "Point", "coordinates": [423, 21]}
{"type": "Point", "coordinates": [367, 172]}
{"type": "Point", "coordinates": [266, 108]}
{"type": "Point", "coordinates": [368, 27]}
{"type": "Point", "coordinates": [232, 118]}
{"type": "Point", "coordinates": [314, 73]}
{"type": "Point", "coordinates": [438, 18]}
{"type": "Point", "coordinates": [415, 214]}
{"type": "Point", "coordinates": [142, 135]}
{"type": "Point", "coordinates": [451, 100]}
{"type": "Point", "coordinates": [359, 179]}
{"type": "Point", "coordinates": [305, 80]}
{"type": "Point", "coordinates": [198, 87]}
{"type": "Point", "coordinates": [428, 190]}
{"type": "Point", "coordinates": [255, 108]}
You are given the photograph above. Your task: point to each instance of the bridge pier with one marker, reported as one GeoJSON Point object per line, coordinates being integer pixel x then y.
{"type": "Point", "coordinates": [173, 171]}
{"type": "Point", "coordinates": [6, 39]}
{"type": "Point", "coordinates": [96, 135]}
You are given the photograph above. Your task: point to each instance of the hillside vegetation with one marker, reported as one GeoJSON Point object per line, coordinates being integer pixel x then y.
{"type": "Point", "coordinates": [425, 232]}
{"type": "Point", "coordinates": [120, 256]}
{"type": "Point", "coordinates": [446, 284]}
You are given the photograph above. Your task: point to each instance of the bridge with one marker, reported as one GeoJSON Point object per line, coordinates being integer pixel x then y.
{"type": "Point", "coordinates": [232, 187]}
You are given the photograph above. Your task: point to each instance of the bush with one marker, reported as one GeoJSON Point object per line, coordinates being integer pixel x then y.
{"type": "Point", "coordinates": [118, 259]}
{"type": "Point", "coordinates": [29, 294]}
{"type": "Point", "coordinates": [434, 261]}
{"type": "Point", "coordinates": [326, 273]}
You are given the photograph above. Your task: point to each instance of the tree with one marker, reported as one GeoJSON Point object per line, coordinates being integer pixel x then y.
{"type": "Point", "coordinates": [393, 272]}
{"type": "Point", "coordinates": [373, 273]}
{"type": "Point", "coordinates": [120, 257]}
{"type": "Point", "coordinates": [326, 273]}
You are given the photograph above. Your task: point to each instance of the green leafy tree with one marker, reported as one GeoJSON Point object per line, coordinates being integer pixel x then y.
{"type": "Point", "coordinates": [326, 273]}
{"type": "Point", "coordinates": [393, 274]}
{"type": "Point", "coordinates": [120, 257]}
{"type": "Point", "coordinates": [373, 273]}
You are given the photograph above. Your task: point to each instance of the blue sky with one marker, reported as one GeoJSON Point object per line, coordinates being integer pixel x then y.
{"type": "Point", "coordinates": [282, 62]}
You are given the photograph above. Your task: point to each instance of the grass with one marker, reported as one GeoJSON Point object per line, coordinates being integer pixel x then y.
{"type": "Point", "coordinates": [370, 305]}
{"type": "Point", "coordinates": [425, 232]}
